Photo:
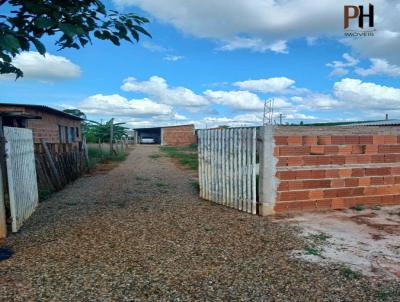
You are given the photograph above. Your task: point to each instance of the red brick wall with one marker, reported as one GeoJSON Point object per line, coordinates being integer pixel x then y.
{"type": "Point", "coordinates": [179, 135]}
{"type": "Point", "coordinates": [336, 171]}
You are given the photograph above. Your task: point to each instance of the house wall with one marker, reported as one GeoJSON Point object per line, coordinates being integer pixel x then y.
{"type": "Point", "coordinates": [48, 128]}
{"type": "Point", "coordinates": [316, 171]}
{"type": "Point", "coordinates": [179, 135]}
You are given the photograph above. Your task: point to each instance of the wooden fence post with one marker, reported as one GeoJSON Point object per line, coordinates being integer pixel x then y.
{"type": "Point", "coordinates": [111, 136]}
{"type": "Point", "coordinates": [3, 183]}
{"type": "Point", "coordinates": [52, 164]}
{"type": "Point", "coordinates": [268, 182]}
{"type": "Point", "coordinates": [85, 149]}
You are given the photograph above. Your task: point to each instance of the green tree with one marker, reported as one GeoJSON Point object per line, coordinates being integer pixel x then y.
{"type": "Point", "coordinates": [75, 112]}
{"type": "Point", "coordinates": [101, 131]}
{"type": "Point", "coordinates": [23, 23]}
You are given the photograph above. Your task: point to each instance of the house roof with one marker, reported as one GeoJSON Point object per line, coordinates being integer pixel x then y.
{"type": "Point", "coordinates": [43, 108]}
{"type": "Point", "coordinates": [377, 123]}
{"type": "Point", "coordinates": [162, 127]}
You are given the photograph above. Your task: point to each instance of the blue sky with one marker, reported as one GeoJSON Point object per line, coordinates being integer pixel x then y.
{"type": "Point", "coordinates": [214, 63]}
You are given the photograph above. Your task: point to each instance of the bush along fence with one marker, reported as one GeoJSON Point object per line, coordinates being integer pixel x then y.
{"type": "Point", "coordinates": [300, 168]}
{"type": "Point", "coordinates": [56, 170]}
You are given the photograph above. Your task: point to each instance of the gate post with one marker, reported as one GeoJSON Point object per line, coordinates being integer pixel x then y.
{"type": "Point", "coordinates": [3, 183]}
{"type": "Point", "coordinates": [268, 183]}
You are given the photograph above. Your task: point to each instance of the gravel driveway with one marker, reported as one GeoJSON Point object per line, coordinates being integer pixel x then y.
{"type": "Point", "coordinates": [140, 233]}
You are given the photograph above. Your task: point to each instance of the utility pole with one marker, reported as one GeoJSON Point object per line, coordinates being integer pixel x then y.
{"type": "Point", "coordinates": [280, 118]}
{"type": "Point", "coordinates": [111, 136]}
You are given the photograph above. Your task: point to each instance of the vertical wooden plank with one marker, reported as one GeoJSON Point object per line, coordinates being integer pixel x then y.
{"type": "Point", "coordinates": [200, 162]}
{"type": "Point", "coordinates": [231, 169]}
{"type": "Point", "coordinates": [212, 164]}
{"type": "Point", "coordinates": [235, 168]}
{"type": "Point", "coordinates": [244, 176]}
{"type": "Point", "coordinates": [215, 158]}
{"type": "Point", "coordinates": [216, 164]}
{"type": "Point", "coordinates": [254, 173]}
{"type": "Point", "coordinates": [204, 179]}
{"type": "Point", "coordinates": [223, 161]}
{"type": "Point", "coordinates": [215, 161]}
{"type": "Point", "coordinates": [220, 168]}
{"type": "Point", "coordinates": [249, 169]}
{"type": "Point", "coordinates": [206, 168]}
{"type": "Point", "coordinates": [240, 168]}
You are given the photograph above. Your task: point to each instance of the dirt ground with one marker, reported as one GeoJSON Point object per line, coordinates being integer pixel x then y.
{"type": "Point", "coordinates": [140, 233]}
{"type": "Point", "coordinates": [366, 240]}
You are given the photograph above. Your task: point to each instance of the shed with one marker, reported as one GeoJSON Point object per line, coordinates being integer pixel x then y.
{"type": "Point", "coordinates": [179, 135]}
{"type": "Point", "coordinates": [62, 131]}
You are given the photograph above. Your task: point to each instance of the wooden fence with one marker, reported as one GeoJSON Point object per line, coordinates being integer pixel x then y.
{"type": "Point", "coordinates": [227, 167]}
{"type": "Point", "coordinates": [55, 170]}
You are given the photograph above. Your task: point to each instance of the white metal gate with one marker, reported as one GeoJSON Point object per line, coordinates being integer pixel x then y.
{"type": "Point", "coordinates": [21, 174]}
{"type": "Point", "coordinates": [227, 167]}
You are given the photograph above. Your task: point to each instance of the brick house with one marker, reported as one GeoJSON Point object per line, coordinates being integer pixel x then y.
{"type": "Point", "coordinates": [62, 131]}
{"type": "Point", "coordinates": [180, 135]}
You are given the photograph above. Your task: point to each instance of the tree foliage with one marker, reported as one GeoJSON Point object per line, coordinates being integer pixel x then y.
{"type": "Point", "coordinates": [101, 131]}
{"type": "Point", "coordinates": [75, 112]}
{"type": "Point", "coordinates": [73, 22]}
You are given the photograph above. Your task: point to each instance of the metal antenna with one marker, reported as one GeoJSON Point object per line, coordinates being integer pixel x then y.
{"type": "Point", "coordinates": [268, 112]}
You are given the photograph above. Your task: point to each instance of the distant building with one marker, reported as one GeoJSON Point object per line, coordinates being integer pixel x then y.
{"type": "Point", "coordinates": [180, 135]}
{"type": "Point", "coordinates": [62, 131]}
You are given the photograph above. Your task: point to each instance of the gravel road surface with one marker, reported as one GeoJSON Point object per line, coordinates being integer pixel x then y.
{"type": "Point", "coordinates": [140, 233]}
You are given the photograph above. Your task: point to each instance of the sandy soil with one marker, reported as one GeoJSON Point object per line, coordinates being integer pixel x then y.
{"type": "Point", "coordinates": [140, 233]}
{"type": "Point", "coordinates": [367, 241]}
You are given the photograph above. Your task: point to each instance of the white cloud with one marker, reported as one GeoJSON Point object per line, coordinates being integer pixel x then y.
{"type": "Point", "coordinates": [277, 84]}
{"type": "Point", "coordinates": [173, 58]}
{"type": "Point", "coordinates": [367, 96]}
{"type": "Point", "coordinates": [340, 68]}
{"type": "Point", "coordinates": [158, 89]}
{"type": "Point", "coordinates": [236, 100]}
{"type": "Point", "coordinates": [116, 105]}
{"type": "Point", "coordinates": [379, 67]}
{"type": "Point", "coordinates": [257, 45]}
{"type": "Point", "coordinates": [311, 41]}
{"type": "Point", "coordinates": [45, 68]}
{"type": "Point", "coordinates": [269, 21]}
{"type": "Point", "coordinates": [316, 101]}
{"type": "Point", "coordinates": [153, 47]}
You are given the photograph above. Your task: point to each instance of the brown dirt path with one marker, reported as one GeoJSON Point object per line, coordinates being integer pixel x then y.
{"type": "Point", "coordinates": [140, 233]}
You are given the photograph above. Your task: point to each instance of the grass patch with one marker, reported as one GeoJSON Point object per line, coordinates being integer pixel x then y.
{"type": "Point", "coordinates": [312, 251]}
{"type": "Point", "coordinates": [44, 194]}
{"type": "Point", "coordinates": [161, 184]}
{"type": "Point", "coordinates": [196, 186]}
{"type": "Point", "coordinates": [97, 156]}
{"type": "Point", "coordinates": [154, 156]}
{"type": "Point", "coordinates": [359, 207]}
{"type": "Point", "coordinates": [385, 295]}
{"type": "Point", "coordinates": [320, 237]}
{"type": "Point", "coordinates": [350, 274]}
{"type": "Point", "coordinates": [186, 155]}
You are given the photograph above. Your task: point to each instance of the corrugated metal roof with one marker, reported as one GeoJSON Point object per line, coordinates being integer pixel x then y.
{"type": "Point", "coordinates": [377, 123]}
{"type": "Point", "coordinates": [170, 126]}
{"type": "Point", "coordinates": [44, 108]}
